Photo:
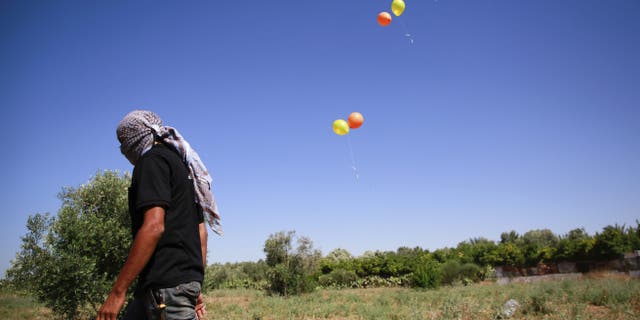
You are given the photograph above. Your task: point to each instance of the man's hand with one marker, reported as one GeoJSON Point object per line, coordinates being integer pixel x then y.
{"type": "Point", "coordinates": [111, 307]}
{"type": "Point", "coordinates": [200, 310]}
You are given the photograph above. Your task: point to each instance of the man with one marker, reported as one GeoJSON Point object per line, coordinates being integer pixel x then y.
{"type": "Point", "coordinates": [169, 198]}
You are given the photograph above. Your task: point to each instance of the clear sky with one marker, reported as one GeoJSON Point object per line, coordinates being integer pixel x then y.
{"type": "Point", "coordinates": [480, 116]}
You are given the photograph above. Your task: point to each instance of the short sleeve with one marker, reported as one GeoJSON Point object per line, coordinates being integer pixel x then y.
{"type": "Point", "coordinates": [200, 214]}
{"type": "Point", "coordinates": [154, 182]}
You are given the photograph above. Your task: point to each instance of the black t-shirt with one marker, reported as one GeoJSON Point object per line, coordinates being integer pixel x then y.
{"type": "Point", "coordinates": [160, 178]}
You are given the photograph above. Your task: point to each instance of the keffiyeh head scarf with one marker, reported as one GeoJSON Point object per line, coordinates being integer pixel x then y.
{"type": "Point", "coordinates": [137, 132]}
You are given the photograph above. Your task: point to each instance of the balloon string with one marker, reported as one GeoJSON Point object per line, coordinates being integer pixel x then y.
{"type": "Point", "coordinates": [406, 32]}
{"type": "Point", "coordinates": [353, 159]}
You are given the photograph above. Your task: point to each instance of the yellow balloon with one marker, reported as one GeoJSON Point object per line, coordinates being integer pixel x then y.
{"type": "Point", "coordinates": [340, 127]}
{"type": "Point", "coordinates": [397, 6]}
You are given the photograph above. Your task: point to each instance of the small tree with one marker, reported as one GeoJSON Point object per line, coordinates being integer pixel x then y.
{"type": "Point", "coordinates": [339, 255]}
{"type": "Point", "coordinates": [28, 268]}
{"type": "Point", "coordinates": [574, 246]}
{"type": "Point", "coordinates": [290, 272]}
{"type": "Point", "coordinates": [69, 262]}
{"type": "Point", "coordinates": [338, 278]}
{"type": "Point", "coordinates": [633, 236]}
{"type": "Point", "coordinates": [508, 253]}
{"type": "Point", "coordinates": [509, 237]}
{"type": "Point", "coordinates": [480, 251]}
{"type": "Point", "coordinates": [427, 274]}
{"type": "Point", "coordinates": [612, 243]}
{"type": "Point", "coordinates": [538, 246]}
{"type": "Point", "coordinates": [336, 259]}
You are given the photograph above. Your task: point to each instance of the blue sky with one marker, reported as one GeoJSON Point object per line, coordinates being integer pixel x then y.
{"type": "Point", "coordinates": [501, 115]}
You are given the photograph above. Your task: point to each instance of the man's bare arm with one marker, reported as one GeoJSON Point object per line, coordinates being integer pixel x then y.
{"type": "Point", "coordinates": [202, 228]}
{"type": "Point", "coordinates": [143, 246]}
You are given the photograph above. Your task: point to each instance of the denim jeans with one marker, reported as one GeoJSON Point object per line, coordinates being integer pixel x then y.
{"type": "Point", "coordinates": [180, 303]}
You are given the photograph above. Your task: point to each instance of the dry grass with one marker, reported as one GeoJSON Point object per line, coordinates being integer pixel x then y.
{"type": "Point", "coordinates": [595, 297]}
{"type": "Point", "coordinates": [16, 307]}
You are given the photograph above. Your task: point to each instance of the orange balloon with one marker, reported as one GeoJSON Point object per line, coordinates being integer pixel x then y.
{"type": "Point", "coordinates": [355, 120]}
{"type": "Point", "coordinates": [384, 18]}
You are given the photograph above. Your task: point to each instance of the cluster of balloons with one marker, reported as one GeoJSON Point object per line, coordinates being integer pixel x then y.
{"type": "Point", "coordinates": [341, 127]}
{"type": "Point", "coordinates": [397, 7]}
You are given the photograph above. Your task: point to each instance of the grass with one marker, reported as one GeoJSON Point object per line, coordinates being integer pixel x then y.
{"type": "Point", "coordinates": [19, 307]}
{"type": "Point", "coordinates": [570, 299]}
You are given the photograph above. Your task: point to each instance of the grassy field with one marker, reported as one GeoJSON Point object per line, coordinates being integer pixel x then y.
{"type": "Point", "coordinates": [570, 299]}
{"type": "Point", "coordinates": [14, 307]}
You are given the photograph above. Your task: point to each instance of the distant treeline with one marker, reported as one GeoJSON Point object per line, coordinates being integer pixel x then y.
{"type": "Point", "coordinates": [70, 260]}
{"type": "Point", "coordinates": [289, 271]}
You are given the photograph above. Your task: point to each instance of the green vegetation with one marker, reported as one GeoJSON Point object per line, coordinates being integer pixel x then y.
{"type": "Point", "coordinates": [69, 261]}
{"type": "Point", "coordinates": [571, 299]}
{"type": "Point", "coordinates": [20, 307]}
{"type": "Point", "coordinates": [609, 298]}
{"type": "Point", "coordinates": [290, 272]}
{"type": "Point", "coordinates": [471, 261]}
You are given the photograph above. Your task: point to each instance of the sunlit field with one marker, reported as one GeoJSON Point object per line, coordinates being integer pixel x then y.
{"type": "Point", "coordinates": [18, 307]}
{"type": "Point", "coordinates": [591, 298]}
{"type": "Point", "coordinates": [575, 299]}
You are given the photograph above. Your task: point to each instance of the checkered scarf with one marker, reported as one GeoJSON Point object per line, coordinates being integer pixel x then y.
{"type": "Point", "coordinates": [137, 132]}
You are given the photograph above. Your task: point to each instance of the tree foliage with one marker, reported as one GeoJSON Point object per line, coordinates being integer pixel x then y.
{"type": "Point", "coordinates": [538, 246]}
{"type": "Point", "coordinates": [574, 246]}
{"type": "Point", "coordinates": [245, 275]}
{"type": "Point", "coordinates": [70, 261]}
{"type": "Point", "coordinates": [290, 271]}
{"type": "Point", "coordinates": [470, 261]}
{"type": "Point", "coordinates": [427, 274]}
{"type": "Point", "coordinates": [613, 242]}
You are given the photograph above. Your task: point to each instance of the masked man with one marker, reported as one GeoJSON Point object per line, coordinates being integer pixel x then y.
{"type": "Point", "coordinates": [169, 199]}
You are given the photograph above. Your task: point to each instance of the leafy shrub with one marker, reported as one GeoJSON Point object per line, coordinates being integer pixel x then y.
{"type": "Point", "coordinates": [242, 275]}
{"type": "Point", "coordinates": [450, 271]}
{"type": "Point", "coordinates": [69, 262]}
{"type": "Point", "coordinates": [290, 272]}
{"type": "Point", "coordinates": [537, 303]}
{"type": "Point", "coordinates": [427, 275]}
{"type": "Point", "coordinates": [470, 272]}
{"type": "Point", "coordinates": [454, 272]}
{"type": "Point", "coordinates": [338, 278]}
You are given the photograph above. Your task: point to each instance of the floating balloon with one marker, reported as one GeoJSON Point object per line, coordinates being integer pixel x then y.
{"type": "Point", "coordinates": [397, 6]}
{"type": "Point", "coordinates": [355, 120]}
{"type": "Point", "coordinates": [384, 18]}
{"type": "Point", "coordinates": [340, 127]}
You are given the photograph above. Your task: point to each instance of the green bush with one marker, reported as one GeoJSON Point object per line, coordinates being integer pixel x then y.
{"type": "Point", "coordinates": [454, 272]}
{"type": "Point", "coordinates": [537, 303]}
{"type": "Point", "coordinates": [427, 275]}
{"type": "Point", "coordinates": [69, 262]}
{"type": "Point", "coordinates": [470, 272]}
{"type": "Point", "coordinates": [450, 271]}
{"type": "Point", "coordinates": [242, 275]}
{"type": "Point", "coordinates": [291, 272]}
{"type": "Point", "coordinates": [338, 278]}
